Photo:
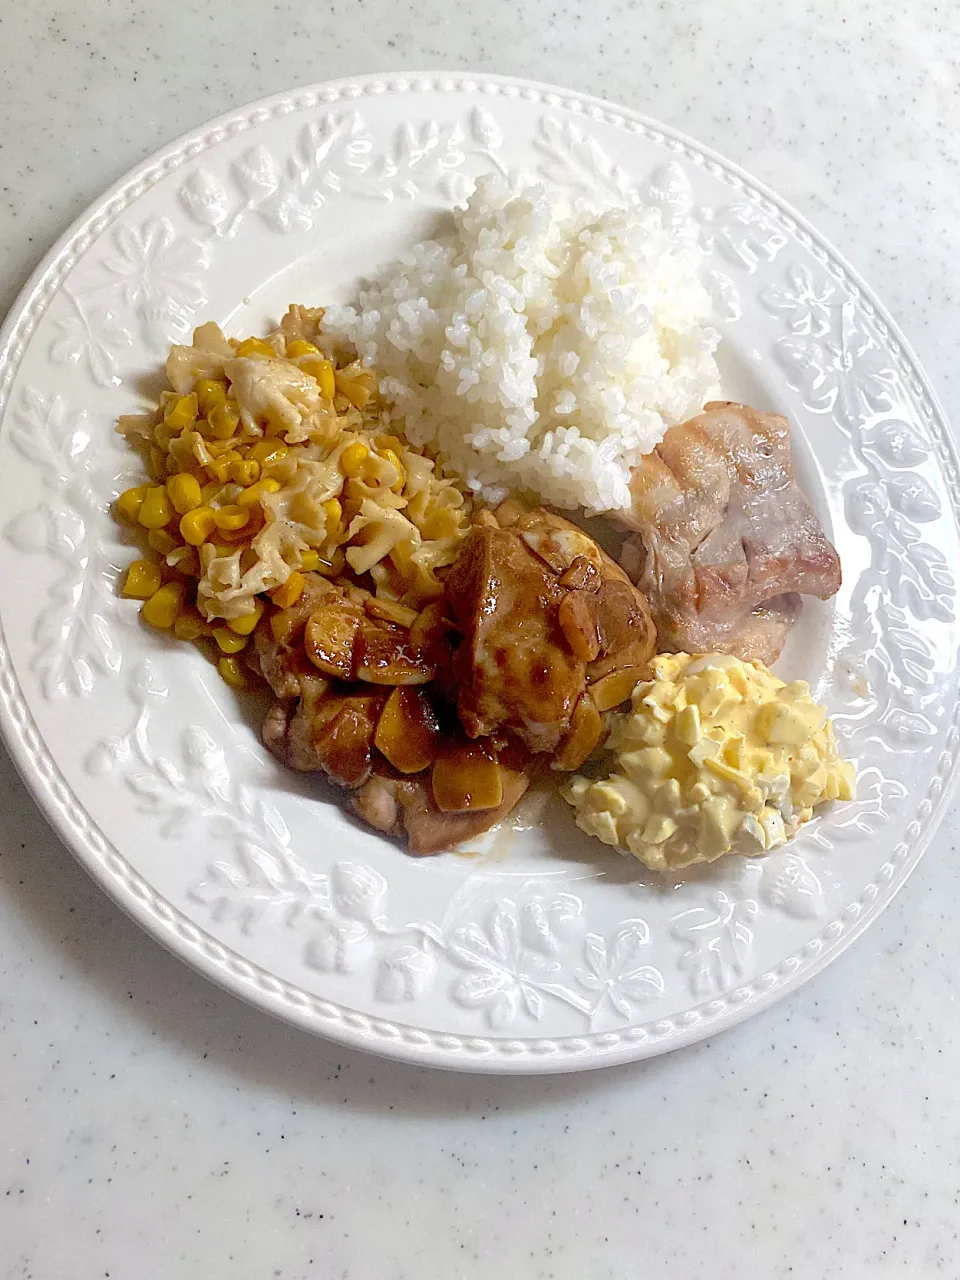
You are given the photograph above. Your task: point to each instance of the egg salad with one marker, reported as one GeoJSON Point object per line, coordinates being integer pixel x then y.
{"type": "Point", "coordinates": [717, 756]}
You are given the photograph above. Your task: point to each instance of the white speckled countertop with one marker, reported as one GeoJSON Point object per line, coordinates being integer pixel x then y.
{"type": "Point", "coordinates": [152, 1127]}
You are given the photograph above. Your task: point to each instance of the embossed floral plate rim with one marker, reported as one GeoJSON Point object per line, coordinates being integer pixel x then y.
{"type": "Point", "coordinates": [255, 983]}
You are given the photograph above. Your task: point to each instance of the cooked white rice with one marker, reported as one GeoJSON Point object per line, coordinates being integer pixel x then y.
{"type": "Point", "coordinates": [544, 347]}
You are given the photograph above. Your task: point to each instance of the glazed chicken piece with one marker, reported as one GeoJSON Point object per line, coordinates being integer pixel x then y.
{"type": "Point", "coordinates": [429, 719]}
{"type": "Point", "coordinates": [553, 633]}
{"type": "Point", "coordinates": [727, 542]}
{"type": "Point", "coordinates": [359, 699]}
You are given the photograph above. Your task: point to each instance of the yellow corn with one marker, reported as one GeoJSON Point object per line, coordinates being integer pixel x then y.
{"type": "Point", "coordinates": [155, 509]}
{"type": "Point", "coordinates": [164, 433]}
{"type": "Point", "coordinates": [309, 560]}
{"type": "Point", "coordinates": [229, 641]}
{"type": "Point", "coordinates": [333, 511]}
{"type": "Point", "coordinates": [210, 393]}
{"type": "Point", "coordinates": [142, 580]}
{"type": "Point", "coordinates": [251, 496]}
{"type": "Point", "coordinates": [130, 501]}
{"type": "Point", "coordinates": [184, 560]}
{"type": "Point", "coordinates": [158, 463]}
{"type": "Point", "coordinates": [219, 468]}
{"type": "Point", "coordinates": [209, 491]}
{"type": "Point", "coordinates": [184, 492]}
{"type": "Point", "coordinates": [265, 451]}
{"type": "Point", "coordinates": [181, 413]}
{"type": "Point", "coordinates": [322, 370]}
{"type": "Point", "coordinates": [223, 420]}
{"type": "Point", "coordinates": [161, 541]}
{"type": "Point", "coordinates": [245, 471]}
{"type": "Point", "coordinates": [190, 625]}
{"type": "Point", "coordinates": [390, 456]}
{"type": "Point", "coordinates": [229, 519]}
{"type": "Point", "coordinates": [246, 625]}
{"type": "Point", "coordinates": [232, 673]}
{"type": "Point", "coordinates": [255, 347]}
{"type": "Point", "coordinates": [197, 525]}
{"type": "Point", "coordinates": [353, 458]}
{"type": "Point", "coordinates": [290, 592]}
{"type": "Point", "coordinates": [300, 347]}
{"type": "Point", "coordinates": [163, 606]}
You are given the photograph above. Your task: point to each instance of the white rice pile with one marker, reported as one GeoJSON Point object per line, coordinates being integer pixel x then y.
{"type": "Point", "coordinates": [546, 346]}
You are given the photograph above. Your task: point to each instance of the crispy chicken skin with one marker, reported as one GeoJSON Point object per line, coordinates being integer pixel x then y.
{"type": "Point", "coordinates": [726, 541]}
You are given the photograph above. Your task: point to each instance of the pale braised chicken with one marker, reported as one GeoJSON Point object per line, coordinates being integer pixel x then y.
{"type": "Point", "coordinates": [727, 542]}
{"type": "Point", "coordinates": [432, 719]}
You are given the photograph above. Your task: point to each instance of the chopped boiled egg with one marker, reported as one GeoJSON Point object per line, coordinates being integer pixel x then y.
{"type": "Point", "coordinates": [716, 756]}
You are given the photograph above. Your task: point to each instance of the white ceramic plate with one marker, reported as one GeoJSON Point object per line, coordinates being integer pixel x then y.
{"type": "Point", "coordinates": [545, 952]}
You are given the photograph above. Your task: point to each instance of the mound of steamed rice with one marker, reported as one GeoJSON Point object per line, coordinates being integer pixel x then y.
{"type": "Point", "coordinates": [543, 347]}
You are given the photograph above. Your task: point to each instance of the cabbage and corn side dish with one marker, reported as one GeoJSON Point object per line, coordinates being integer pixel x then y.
{"type": "Point", "coordinates": [269, 459]}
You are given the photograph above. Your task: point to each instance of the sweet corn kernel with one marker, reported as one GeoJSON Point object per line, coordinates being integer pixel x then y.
{"type": "Point", "coordinates": [210, 491]}
{"type": "Point", "coordinates": [290, 592]}
{"type": "Point", "coordinates": [251, 496]}
{"type": "Point", "coordinates": [309, 560]}
{"type": "Point", "coordinates": [162, 541]}
{"type": "Point", "coordinates": [333, 511]}
{"type": "Point", "coordinates": [184, 560]}
{"type": "Point", "coordinates": [229, 641]}
{"type": "Point", "coordinates": [246, 471]}
{"type": "Point", "coordinates": [322, 370]}
{"type": "Point", "coordinates": [219, 468]}
{"type": "Point", "coordinates": [184, 492]}
{"type": "Point", "coordinates": [210, 394]}
{"type": "Point", "coordinates": [232, 673]}
{"type": "Point", "coordinates": [223, 420]}
{"type": "Point", "coordinates": [198, 525]}
{"type": "Point", "coordinates": [265, 451]}
{"type": "Point", "coordinates": [300, 347]}
{"type": "Point", "coordinates": [130, 501]}
{"type": "Point", "coordinates": [249, 530]}
{"type": "Point", "coordinates": [182, 412]}
{"type": "Point", "coordinates": [353, 458]}
{"type": "Point", "coordinates": [142, 580]}
{"type": "Point", "coordinates": [164, 433]}
{"type": "Point", "coordinates": [155, 510]}
{"type": "Point", "coordinates": [163, 606]}
{"type": "Point", "coordinates": [246, 625]}
{"type": "Point", "coordinates": [190, 625]}
{"type": "Point", "coordinates": [231, 518]}
{"type": "Point", "coordinates": [255, 347]}
{"type": "Point", "coordinates": [390, 456]}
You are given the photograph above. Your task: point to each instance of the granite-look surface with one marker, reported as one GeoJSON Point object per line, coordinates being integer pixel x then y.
{"type": "Point", "coordinates": [152, 1127]}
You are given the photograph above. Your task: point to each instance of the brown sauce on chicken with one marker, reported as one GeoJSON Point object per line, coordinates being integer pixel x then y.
{"type": "Point", "coordinates": [433, 727]}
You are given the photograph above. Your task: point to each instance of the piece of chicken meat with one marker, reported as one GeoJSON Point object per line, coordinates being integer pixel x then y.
{"type": "Point", "coordinates": [726, 541]}
{"type": "Point", "coordinates": [553, 633]}
{"type": "Point", "coordinates": [322, 657]}
{"type": "Point", "coordinates": [405, 806]}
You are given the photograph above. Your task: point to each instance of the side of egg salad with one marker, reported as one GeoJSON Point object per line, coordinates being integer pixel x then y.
{"type": "Point", "coordinates": [717, 756]}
